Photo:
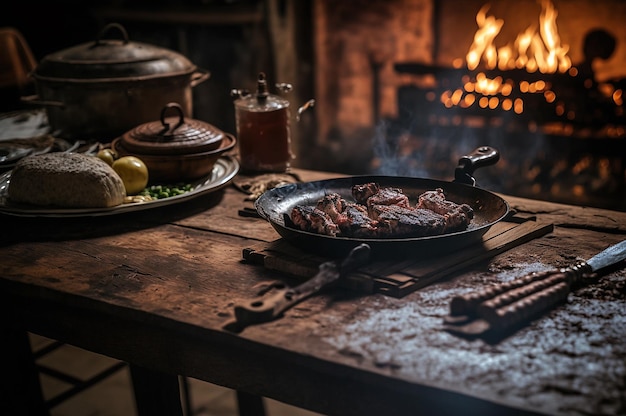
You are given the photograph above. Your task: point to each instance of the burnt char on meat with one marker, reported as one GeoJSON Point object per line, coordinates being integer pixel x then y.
{"type": "Point", "coordinates": [352, 219]}
{"type": "Point", "coordinates": [361, 193]}
{"type": "Point", "coordinates": [388, 196]}
{"type": "Point", "coordinates": [399, 221]}
{"type": "Point", "coordinates": [333, 205]}
{"type": "Point", "coordinates": [382, 213]}
{"type": "Point", "coordinates": [312, 219]}
{"type": "Point", "coordinates": [457, 216]}
{"type": "Point", "coordinates": [357, 222]}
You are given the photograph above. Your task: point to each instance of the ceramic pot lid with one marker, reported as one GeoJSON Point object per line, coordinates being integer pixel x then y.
{"type": "Point", "coordinates": [172, 135]}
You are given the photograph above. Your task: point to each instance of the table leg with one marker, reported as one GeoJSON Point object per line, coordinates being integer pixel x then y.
{"type": "Point", "coordinates": [156, 393]}
{"type": "Point", "coordinates": [250, 404]}
{"type": "Point", "coordinates": [20, 388]}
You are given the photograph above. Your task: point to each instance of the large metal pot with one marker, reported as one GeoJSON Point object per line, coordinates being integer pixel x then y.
{"type": "Point", "coordinates": [276, 205]}
{"type": "Point", "coordinates": [101, 89]}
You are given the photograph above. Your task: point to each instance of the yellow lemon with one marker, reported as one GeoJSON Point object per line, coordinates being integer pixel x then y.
{"type": "Point", "coordinates": [108, 155]}
{"type": "Point", "coordinates": [134, 173]}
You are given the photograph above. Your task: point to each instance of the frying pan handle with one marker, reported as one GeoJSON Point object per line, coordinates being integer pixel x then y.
{"type": "Point", "coordinates": [482, 156]}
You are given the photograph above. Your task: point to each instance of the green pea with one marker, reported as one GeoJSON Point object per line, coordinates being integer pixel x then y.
{"type": "Point", "coordinates": [166, 191]}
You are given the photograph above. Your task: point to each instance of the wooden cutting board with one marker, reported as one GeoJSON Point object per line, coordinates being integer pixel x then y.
{"type": "Point", "coordinates": [398, 278]}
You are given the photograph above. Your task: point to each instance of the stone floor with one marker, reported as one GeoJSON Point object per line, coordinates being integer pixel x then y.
{"type": "Point", "coordinates": [113, 396]}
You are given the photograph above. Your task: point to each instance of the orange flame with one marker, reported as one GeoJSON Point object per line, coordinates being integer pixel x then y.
{"type": "Point", "coordinates": [531, 50]}
{"type": "Point", "coordinates": [488, 29]}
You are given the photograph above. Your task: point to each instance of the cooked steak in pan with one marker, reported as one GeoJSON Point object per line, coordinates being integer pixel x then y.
{"type": "Point", "coordinates": [382, 213]}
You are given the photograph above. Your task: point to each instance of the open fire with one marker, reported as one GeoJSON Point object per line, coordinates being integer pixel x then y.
{"type": "Point", "coordinates": [531, 50]}
{"type": "Point", "coordinates": [523, 96]}
{"type": "Point", "coordinates": [429, 81]}
{"type": "Point", "coordinates": [505, 77]}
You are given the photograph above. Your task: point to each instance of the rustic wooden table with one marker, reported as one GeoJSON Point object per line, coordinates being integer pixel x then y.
{"type": "Point", "coordinates": [154, 288]}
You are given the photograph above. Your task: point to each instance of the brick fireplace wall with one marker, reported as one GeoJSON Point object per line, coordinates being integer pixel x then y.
{"type": "Point", "coordinates": [355, 43]}
{"type": "Point", "coordinates": [358, 43]}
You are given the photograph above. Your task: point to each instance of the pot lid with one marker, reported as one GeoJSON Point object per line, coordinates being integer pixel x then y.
{"type": "Point", "coordinates": [172, 135]}
{"type": "Point", "coordinates": [261, 100]}
{"type": "Point", "coordinates": [113, 58]}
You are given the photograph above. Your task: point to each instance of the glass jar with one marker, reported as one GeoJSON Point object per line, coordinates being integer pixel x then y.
{"type": "Point", "coordinates": [263, 130]}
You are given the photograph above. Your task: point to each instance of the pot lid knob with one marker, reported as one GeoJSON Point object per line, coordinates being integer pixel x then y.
{"type": "Point", "coordinates": [166, 125]}
{"type": "Point", "coordinates": [108, 28]}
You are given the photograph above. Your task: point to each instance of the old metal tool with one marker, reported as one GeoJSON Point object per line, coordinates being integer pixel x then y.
{"type": "Point", "coordinates": [508, 305]}
{"type": "Point", "coordinates": [276, 298]}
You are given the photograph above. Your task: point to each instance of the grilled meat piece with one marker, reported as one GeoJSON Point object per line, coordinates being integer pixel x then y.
{"type": "Point", "coordinates": [388, 196]}
{"type": "Point", "coordinates": [309, 218]}
{"type": "Point", "coordinates": [357, 223]}
{"type": "Point", "coordinates": [399, 221]}
{"type": "Point", "coordinates": [457, 216]}
{"type": "Point", "coordinates": [333, 205]}
{"type": "Point", "coordinates": [361, 193]}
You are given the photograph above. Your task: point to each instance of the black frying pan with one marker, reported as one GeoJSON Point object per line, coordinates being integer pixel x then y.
{"type": "Point", "coordinates": [276, 205]}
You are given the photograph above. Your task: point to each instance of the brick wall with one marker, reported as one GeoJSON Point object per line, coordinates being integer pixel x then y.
{"type": "Point", "coordinates": [356, 41]}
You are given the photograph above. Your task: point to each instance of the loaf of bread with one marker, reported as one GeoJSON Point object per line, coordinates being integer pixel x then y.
{"type": "Point", "coordinates": [69, 180]}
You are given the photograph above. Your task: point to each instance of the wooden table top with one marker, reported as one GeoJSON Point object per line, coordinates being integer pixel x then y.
{"type": "Point", "coordinates": [155, 287]}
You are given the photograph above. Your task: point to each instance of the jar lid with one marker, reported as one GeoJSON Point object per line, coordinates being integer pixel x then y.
{"type": "Point", "coordinates": [115, 59]}
{"type": "Point", "coordinates": [172, 135]}
{"type": "Point", "coordinates": [261, 100]}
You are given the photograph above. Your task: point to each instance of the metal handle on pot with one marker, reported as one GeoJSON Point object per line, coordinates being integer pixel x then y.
{"type": "Point", "coordinates": [109, 27]}
{"type": "Point", "coordinates": [199, 77]}
{"type": "Point", "coordinates": [34, 99]}
{"type": "Point", "coordinates": [482, 156]}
